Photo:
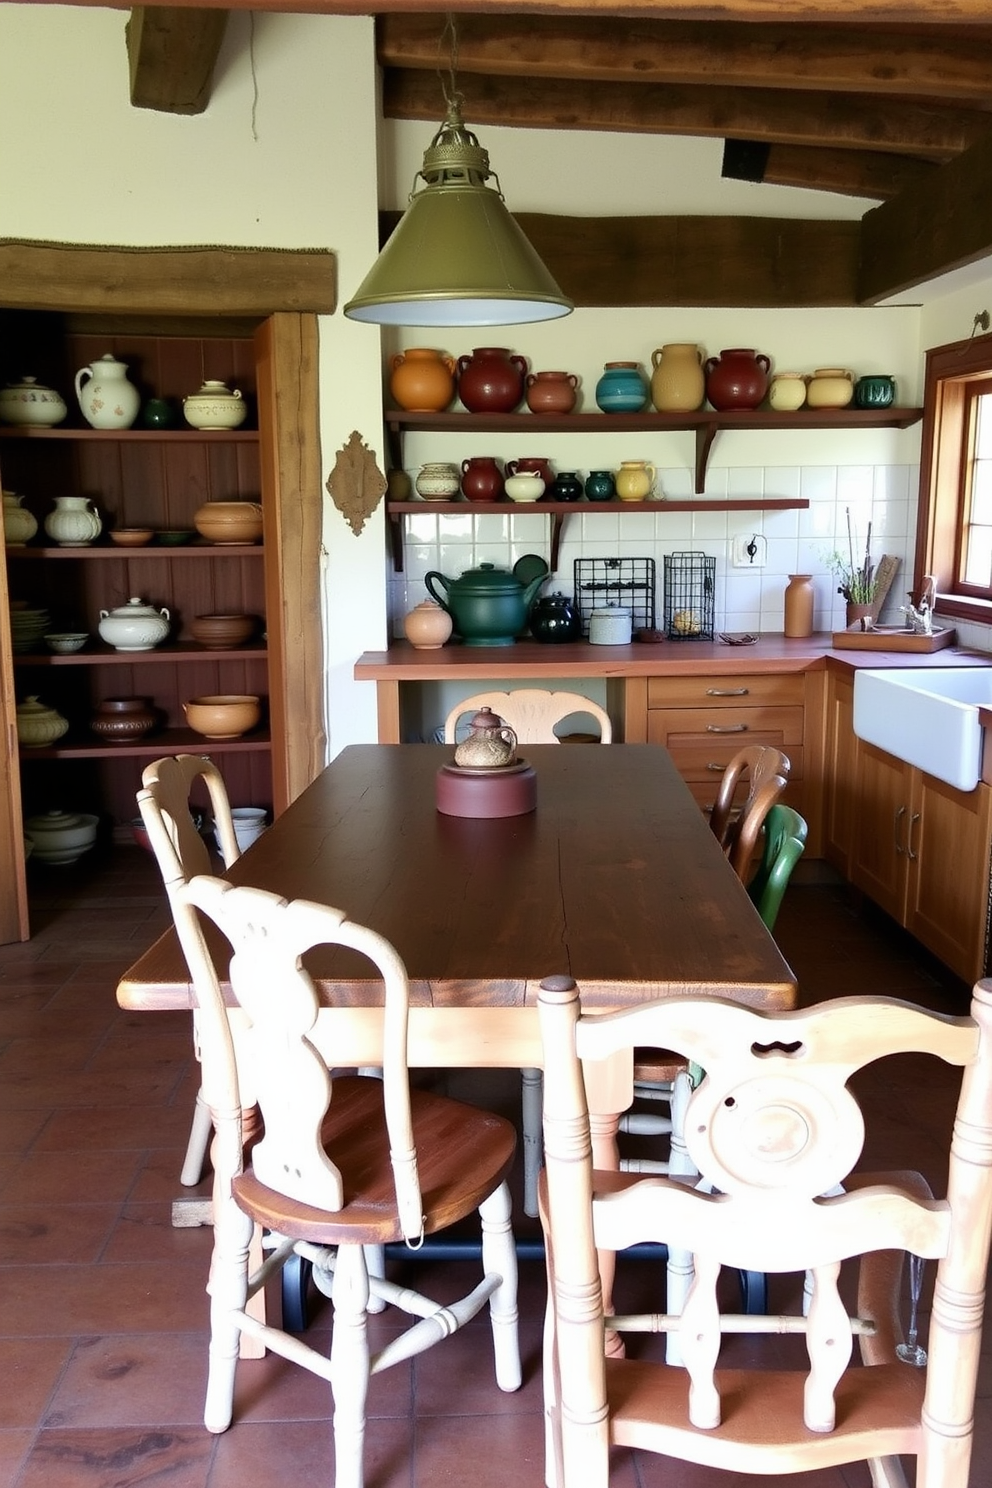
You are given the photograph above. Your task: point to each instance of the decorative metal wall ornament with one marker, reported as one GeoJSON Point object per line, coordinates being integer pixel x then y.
{"type": "Point", "coordinates": [356, 485]}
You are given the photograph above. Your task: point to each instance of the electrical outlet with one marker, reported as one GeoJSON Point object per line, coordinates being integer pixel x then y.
{"type": "Point", "coordinates": [749, 550]}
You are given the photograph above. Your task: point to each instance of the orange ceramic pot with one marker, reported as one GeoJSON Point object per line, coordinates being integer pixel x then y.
{"type": "Point", "coordinates": [422, 380]}
{"type": "Point", "coordinates": [551, 392]}
{"type": "Point", "coordinates": [229, 521]}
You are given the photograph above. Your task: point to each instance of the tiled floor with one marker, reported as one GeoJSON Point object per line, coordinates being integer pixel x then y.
{"type": "Point", "coordinates": [102, 1305]}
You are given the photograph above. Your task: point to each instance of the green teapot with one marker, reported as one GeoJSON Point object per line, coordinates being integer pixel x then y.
{"type": "Point", "coordinates": [488, 605]}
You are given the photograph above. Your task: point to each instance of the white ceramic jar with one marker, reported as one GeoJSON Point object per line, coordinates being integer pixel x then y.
{"type": "Point", "coordinates": [787, 392]}
{"type": "Point", "coordinates": [74, 523]}
{"type": "Point", "coordinates": [18, 525]}
{"type": "Point", "coordinates": [135, 626]}
{"type": "Point", "coordinates": [61, 836]}
{"type": "Point", "coordinates": [215, 406]}
{"type": "Point", "coordinates": [524, 487]}
{"type": "Point", "coordinates": [106, 399]}
{"type": "Point", "coordinates": [29, 402]}
{"type": "Point", "coordinates": [611, 626]}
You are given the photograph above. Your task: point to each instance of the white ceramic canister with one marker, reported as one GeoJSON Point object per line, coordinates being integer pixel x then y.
{"type": "Point", "coordinates": [135, 626]}
{"type": "Point", "coordinates": [611, 626]}
{"type": "Point", "coordinates": [18, 525]}
{"type": "Point", "coordinates": [215, 406]}
{"type": "Point", "coordinates": [29, 402]}
{"type": "Point", "coordinates": [74, 523]}
{"type": "Point", "coordinates": [106, 398]}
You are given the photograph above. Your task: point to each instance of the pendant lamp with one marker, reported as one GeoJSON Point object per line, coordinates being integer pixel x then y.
{"type": "Point", "coordinates": [456, 257]}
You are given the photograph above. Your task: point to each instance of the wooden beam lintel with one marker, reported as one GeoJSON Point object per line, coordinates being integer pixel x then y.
{"type": "Point", "coordinates": [172, 52]}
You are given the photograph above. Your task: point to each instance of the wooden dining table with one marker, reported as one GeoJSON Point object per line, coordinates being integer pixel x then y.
{"type": "Point", "coordinates": [614, 879]}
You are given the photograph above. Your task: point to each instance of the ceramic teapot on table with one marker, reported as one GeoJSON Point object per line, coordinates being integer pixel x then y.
{"type": "Point", "coordinates": [489, 744]}
{"type": "Point", "coordinates": [487, 604]}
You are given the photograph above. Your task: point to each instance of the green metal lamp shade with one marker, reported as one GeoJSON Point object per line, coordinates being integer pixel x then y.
{"type": "Point", "coordinates": [457, 257]}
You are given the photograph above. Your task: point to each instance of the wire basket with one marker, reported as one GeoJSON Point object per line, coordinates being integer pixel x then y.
{"type": "Point", "coordinates": [626, 582]}
{"type": "Point", "coordinates": [690, 585]}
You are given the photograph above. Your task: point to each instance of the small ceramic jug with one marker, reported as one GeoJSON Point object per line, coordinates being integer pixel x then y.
{"type": "Point", "coordinates": [490, 742]}
{"type": "Point", "coordinates": [482, 479]}
{"type": "Point", "coordinates": [74, 523]}
{"type": "Point", "coordinates": [106, 398]}
{"type": "Point", "coordinates": [551, 392]}
{"type": "Point", "coordinates": [677, 382]}
{"type": "Point", "coordinates": [635, 480]}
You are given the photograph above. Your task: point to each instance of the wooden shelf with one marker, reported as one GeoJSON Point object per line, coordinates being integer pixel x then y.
{"type": "Point", "coordinates": [97, 654]}
{"type": "Point", "coordinates": [126, 436]}
{"type": "Point", "coordinates": [559, 510]}
{"type": "Point", "coordinates": [170, 551]}
{"type": "Point", "coordinates": [163, 741]}
{"type": "Point", "coordinates": [705, 424]}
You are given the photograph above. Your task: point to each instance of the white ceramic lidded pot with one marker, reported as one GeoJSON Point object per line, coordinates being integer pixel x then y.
{"type": "Point", "coordinates": [135, 626]}
{"type": "Point", "coordinates": [61, 836]}
{"type": "Point", "coordinates": [74, 523]}
{"type": "Point", "coordinates": [18, 525]}
{"type": "Point", "coordinates": [106, 398]}
{"type": "Point", "coordinates": [29, 402]}
{"type": "Point", "coordinates": [215, 406]}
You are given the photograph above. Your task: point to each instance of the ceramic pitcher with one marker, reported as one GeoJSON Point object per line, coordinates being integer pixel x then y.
{"type": "Point", "coordinates": [106, 398]}
{"type": "Point", "coordinates": [74, 523]}
{"type": "Point", "coordinates": [635, 480]}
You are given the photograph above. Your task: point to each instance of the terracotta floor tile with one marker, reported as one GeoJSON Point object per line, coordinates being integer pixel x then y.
{"type": "Point", "coordinates": [54, 1234]}
{"type": "Point", "coordinates": [480, 1450]}
{"type": "Point", "coordinates": [30, 1369]}
{"type": "Point", "coordinates": [14, 1448]}
{"type": "Point", "coordinates": [111, 1458]}
{"type": "Point", "coordinates": [102, 1299]}
{"type": "Point", "coordinates": [53, 1177]}
{"type": "Point", "coordinates": [260, 1455]}
{"type": "Point", "coordinates": [144, 1232]}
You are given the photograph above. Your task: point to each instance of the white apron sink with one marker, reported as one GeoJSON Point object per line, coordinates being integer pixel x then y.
{"type": "Point", "coordinates": [927, 717]}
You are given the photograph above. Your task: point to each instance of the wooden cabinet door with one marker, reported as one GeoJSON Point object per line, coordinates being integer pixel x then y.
{"type": "Point", "coordinates": [841, 775]}
{"type": "Point", "coordinates": [947, 843]}
{"type": "Point", "coordinates": [13, 884]}
{"type": "Point", "coordinates": [882, 829]}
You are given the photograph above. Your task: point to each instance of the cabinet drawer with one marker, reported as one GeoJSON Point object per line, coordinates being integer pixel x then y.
{"type": "Point", "coordinates": [703, 727]}
{"type": "Point", "coordinates": [698, 763]}
{"type": "Point", "coordinates": [726, 691]}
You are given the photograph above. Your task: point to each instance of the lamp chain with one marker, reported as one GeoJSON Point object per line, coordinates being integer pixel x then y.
{"type": "Point", "coordinates": [449, 36]}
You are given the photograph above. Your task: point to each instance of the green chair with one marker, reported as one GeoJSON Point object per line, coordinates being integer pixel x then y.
{"type": "Point", "coordinates": [785, 839]}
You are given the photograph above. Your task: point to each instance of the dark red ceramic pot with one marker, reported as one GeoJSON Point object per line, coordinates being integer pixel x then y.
{"type": "Point", "coordinates": [491, 380]}
{"type": "Point", "coordinates": [737, 378]}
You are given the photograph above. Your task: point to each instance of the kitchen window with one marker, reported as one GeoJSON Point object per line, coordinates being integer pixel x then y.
{"type": "Point", "coordinates": [954, 540]}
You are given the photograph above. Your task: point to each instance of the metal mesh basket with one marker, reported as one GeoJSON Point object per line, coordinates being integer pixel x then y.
{"type": "Point", "coordinates": [690, 584]}
{"type": "Point", "coordinates": [626, 582]}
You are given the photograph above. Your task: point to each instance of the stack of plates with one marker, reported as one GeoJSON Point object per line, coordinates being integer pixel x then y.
{"type": "Point", "coordinates": [27, 626]}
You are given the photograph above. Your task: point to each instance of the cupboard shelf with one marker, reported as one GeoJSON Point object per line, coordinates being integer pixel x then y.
{"type": "Point", "coordinates": [165, 741]}
{"type": "Point", "coordinates": [127, 436]}
{"type": "Point", "coordinates": [704, 424]}
{"type": "Point", "coordinates": [176, 654]}
{"type": "Point", "coordinates": [171, 552]}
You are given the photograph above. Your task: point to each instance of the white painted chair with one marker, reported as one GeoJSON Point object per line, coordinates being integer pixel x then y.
{"type": "Point", "coordinates": [346, 1162]}
{"type": "Point", "coordinates": [532, 714]}
{"type": "Point", "coordinates": [777, 1135]}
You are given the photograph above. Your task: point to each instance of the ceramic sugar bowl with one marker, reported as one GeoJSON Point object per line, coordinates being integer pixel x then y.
{"type": "Point", "coordinates": [61, 836]}
{"type": "Point", "coordinates": [135, 626]}
{"type": "Point", "coordinates": [29, 402]}
{"type": "Point", "coordinates": [215, 406]}
{"type": "Point", "coordinates": [37, 724]}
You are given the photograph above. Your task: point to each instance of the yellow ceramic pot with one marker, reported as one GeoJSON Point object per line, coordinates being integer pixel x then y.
{"type": "Point", "coordinates": [830, 387]}
{"type": "Point", "coordinates": [635, 480]}
{"type": "Point", "coordinates": [677, 382]}
{"type": "Point", "coordinates": [787, 392]}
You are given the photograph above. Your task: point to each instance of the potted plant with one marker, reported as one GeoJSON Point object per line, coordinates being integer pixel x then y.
{"type": "Point", "coordinates": [856, 581]}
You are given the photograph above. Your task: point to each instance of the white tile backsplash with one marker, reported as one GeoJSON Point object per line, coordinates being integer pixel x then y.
{"type": "Point", "coordinates": [797, 541]}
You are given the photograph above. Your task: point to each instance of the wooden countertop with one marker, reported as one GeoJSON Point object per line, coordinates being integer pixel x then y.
{"type": "Point", "coordinates": [532, 659]}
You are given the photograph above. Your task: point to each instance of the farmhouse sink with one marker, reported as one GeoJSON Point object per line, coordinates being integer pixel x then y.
{"type": "Point", "coordinates": [929, 718]}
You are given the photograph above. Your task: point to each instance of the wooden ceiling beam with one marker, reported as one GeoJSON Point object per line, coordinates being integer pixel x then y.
{"type": "Point", "coordinates": [846, 172]}
{"type": "Point", "coordinates": [778, 117]}
{"type": "Point", "coordinates": [832, 58]}
{"type": "Point", "coordinates": [920, 234]}
{"type": "Point", "coordinates": [171, 55]}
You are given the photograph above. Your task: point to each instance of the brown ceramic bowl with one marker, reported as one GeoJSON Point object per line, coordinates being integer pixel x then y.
{"type": "Point", "coordinates": [229, 521]}
{"type": "Point", "coordinates": [222, 715]}
{"type": "Point", "coordinates": [131, 537]}
{"type": "Point", "coordinates": [222, 632]}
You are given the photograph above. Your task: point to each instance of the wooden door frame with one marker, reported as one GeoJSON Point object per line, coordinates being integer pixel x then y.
{"type": "Point", "coordinates": [275, 295]}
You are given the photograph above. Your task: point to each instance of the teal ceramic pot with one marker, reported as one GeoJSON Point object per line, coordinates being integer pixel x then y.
{"type": "Point", "coordinates": [877, 391]}
{"type": "Point", "coordinates": [566, 486]}
{"type": "Point", "coordinates": [488, 605]}
{"type": "Point", "coordinates": [158, 413]}
{"type": "Point", "coordinates": [623, 388]}
{"type": "Point", "coordinates": [600, 485]}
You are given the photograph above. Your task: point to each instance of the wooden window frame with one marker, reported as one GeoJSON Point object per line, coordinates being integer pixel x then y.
{"type": "Point", "coordinates": [951, 372]}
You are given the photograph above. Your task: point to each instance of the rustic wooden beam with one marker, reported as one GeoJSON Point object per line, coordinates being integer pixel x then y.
{"type": "Point", "coordinates": [942, 226]}
{"type": "Point", "coordinates": [839, 59]}
{"type": "Point", "coordinates": [847, 172]}
{"type": "Point", "coordinates": [251, 282]}
{"type": "Point", "coordinates": [171, 54]}
{"type": "Point", "coordinates": [902, 12]}
{"type": "Point", "coordinates": [779, 116]}
{"type": "Point", "coordinates": [739, 261]}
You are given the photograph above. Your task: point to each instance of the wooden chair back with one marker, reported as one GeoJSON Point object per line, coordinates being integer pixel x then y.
{"type": "Point", "coordinates": [164, 803]}
{"type": "Point", "coordinates": [784, 843]}
{"type": "Point", "coordinates": [531, 713]}
{"type": "Point", "coordinates": [749, 768]}
{"type": "Point", "coordinates": [775, 1132]}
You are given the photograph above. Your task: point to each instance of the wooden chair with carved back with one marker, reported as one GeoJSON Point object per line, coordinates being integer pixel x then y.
{"type": "Point", "coordinates": [777, 1135]}
{"type": "Point", "coordinates": [344, 1162]}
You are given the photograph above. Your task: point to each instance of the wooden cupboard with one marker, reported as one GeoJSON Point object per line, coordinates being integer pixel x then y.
{"type": "Point", "coordinates": [159, 479]}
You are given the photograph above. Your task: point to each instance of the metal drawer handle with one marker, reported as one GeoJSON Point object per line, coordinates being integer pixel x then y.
{"type": "Point", "coordinates": [909, 839]}
{"type": "Point", "coordinates": [712, 765]}
{"type": "Point", "coordinates": [727, 691]}
{"type": "Point", "coordinates": [900, 813]}
{"type": "Point", "coordinates": [730, 728]}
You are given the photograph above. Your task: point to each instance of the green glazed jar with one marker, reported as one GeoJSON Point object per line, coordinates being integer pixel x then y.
{"type": "Point", "coordinates": [600, 485]}
{"type": "Point", "coordinates": [877, 391]}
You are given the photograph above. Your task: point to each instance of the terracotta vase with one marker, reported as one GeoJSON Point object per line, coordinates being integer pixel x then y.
{"type": "Point", "coordinates": [677, 382]}
{"type": "Point", "coordinates": [422, 380]}
{"type": "Point", "coordinates": [799, 596]}
{"type": "Point", "coordinates": [858, 617]}
{"type": "Point", "coordinates": [737, 378]}
{"type": "Point", "coordinates": [551, 392]}
{"type": "Point", "coordinates": [482, 479]}
{"type": "Point", "coordinates": [120, 720]}
{"type": "Point", "coordinates": [491, 380]}
{"type": "Point", "coordinates": [427, 626]}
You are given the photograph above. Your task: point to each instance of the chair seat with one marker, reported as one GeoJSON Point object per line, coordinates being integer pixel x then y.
{"type": "Point", "coordinates": [453, 1184]}
{"type": "Point", "coordinates": [649, 1408]}
{"type": "Point", "coordinates": [659, 1066]}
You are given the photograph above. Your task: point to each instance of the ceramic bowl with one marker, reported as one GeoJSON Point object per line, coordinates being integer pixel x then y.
{"type": "Point", "coordinates": [65, 642]}
{"type": "Point", "coordinates": [229, 521]}
{"type": "Point", "coordinates": [222, 632]}
{"type": "Point", "coordinates": [131, 537]}
{"type": "Point", "coordinates": [172, 537]}
{"type": "Point", "coordinates": [61, 836]}
{"type": "Point", "coordinates": [222, 715]}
